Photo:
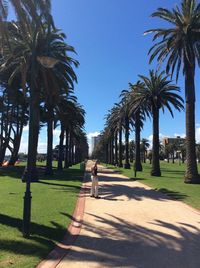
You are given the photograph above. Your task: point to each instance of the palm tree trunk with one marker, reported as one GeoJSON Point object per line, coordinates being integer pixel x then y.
{"type": "Point", "coordinates": [138, 165]}
{"type": "Point", "coordinates": [49, 169]}
{"type": "Point", "coordinates": [61, 149]}
{"type": "Point", "coordinates": [107, 153]}
{"type": "Point", "coordinates": [70, 149]}
{"type": "Point", "coordinates": [112, 149]}
{"type": "Point", "coordinates": [127, 164]}
{"type": "Point", "coordinates": [145, 153]}
{"type": "Point", "coordinates": [116, 148]}
{"type": "Point", "coordinates": [7, 133]}
{"type": "Point", "coordinates": [120, 147]}
{"type": "Point", "coordinates": [1, 135]}
{"type": "Point", "coordinates": [30, 172]}
{"type": "Point", "coordinates": [73, 153]}
{"type": "Point", "coordinates": [66, 149]}
{"type": "Point", "coordinates": [155, 170]}
{"type": "Point", "coordinates": [173, 157]}
{"type": "Point", "coordinates": [191, 173]}
{"type": "Point", "coordinates": [16, 145]}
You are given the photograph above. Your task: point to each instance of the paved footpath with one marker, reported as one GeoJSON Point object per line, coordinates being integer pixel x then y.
{"type": "Point", "coordinates": [134, 226]}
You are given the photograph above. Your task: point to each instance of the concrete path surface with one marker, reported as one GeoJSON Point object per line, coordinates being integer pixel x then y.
{"type": "Point", "coordinates": [134, 226]}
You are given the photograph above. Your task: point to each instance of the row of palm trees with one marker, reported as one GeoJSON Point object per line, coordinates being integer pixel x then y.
{"type": "Point", "coordinates": [143, 99]}
{"type": "Point", "coordinates": [37, 80]}
{"type": "Point", "coordinates": [179, 47]}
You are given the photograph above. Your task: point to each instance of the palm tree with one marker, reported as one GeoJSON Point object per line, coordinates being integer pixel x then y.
{"type": "Point", "coordinates": [183, 152]}
{"type": "Point", "coordinates": [180, 46]}
{"type": "Point", "coordinates": [3, 18]}
{"type": "Point", "coordinates": [118, 121]}
{"type": "Point", "coordinates": [172, 149]}
{"type": "Point", "coordinates": [144, 147]}
{"type": "Point", "coordinates": [21, 54]}
{"type": "Point", "coordinates": [111, 128]}
{"type": "Point", "coordinates": [157, 93]}
{"type": "Point", "coordinates": [115, 122]}
{"type": "Point", "coordinates": [132, 150]}
{"type": "Point", "coordinates": [75, 127]}
{"type": "Point", "coordinates": [20, 119]}
{"type": "Point", "coordinates": [58, 82]}
{"type": "Point", "coordinates": [198, 152]}
{"type": "Point", "coordinates": [139, 117]}
{"type": "Point", "coordinates": [29, 54]}
{"type": "Point", "coordinates": [128, 121]}
{"type": "Point", "coordinates": [81, 146]}
{"type": "Point", "coordinates": [167, 151]}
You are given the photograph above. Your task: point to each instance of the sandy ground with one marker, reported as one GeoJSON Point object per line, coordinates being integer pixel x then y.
{"type": "Point", "coordinates": [134, 226]}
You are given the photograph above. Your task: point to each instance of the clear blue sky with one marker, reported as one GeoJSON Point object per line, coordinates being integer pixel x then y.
{"type": "Point", "coordinates": [112, 51]}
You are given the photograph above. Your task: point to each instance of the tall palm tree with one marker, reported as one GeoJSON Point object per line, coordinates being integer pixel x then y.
{"type": "Point", "coordinates": [128, 122]}
{"type": "Point", "coordinates": [57, 82]}
{"type": "Point", "coordinates": [3, 17]}
{"type": "Point", "coordinates": [157, 93]}
{"type": "Point", "coordinates": [115, 122]}
{"type": "Point", "coordinates": [21, 47]}
{"type": "Point", "coordinates": [139, 117]}
{"type": "Point", "coordinates": [198, 152]}
{"type": "Point", "coordinates": [76, 125]}
{"type": "Point", "coordinates": [144, 147]}
{"type": "Point", "coordinates": [167, 152]}
{"type": "Point", "coordinates": [27, 54]}
{"type": "Point", "coordinates": [179, 44]}
{"type": "Point", "coordinates": [81, 146]}
{"type": "Point", "coordinates": [110, 129]}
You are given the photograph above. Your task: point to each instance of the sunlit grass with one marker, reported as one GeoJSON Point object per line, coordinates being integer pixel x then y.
{"type": "Point", "coordinates": [53, 203]}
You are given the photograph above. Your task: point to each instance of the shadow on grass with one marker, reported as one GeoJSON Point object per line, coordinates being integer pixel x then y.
{"type": "Point", "coordinates": [64, 175]}
{"type": "Point", "coordinates": [136, 179]}
{"type": "Point", "coordinates": [26, 247]}
{"type": "Point", "coordinates": [173, 194]}
{"type": "Point", "coordinates": [68, 216]}
{"type": "Point", "coordinates": [59, 184]}
{"type": "Point", "coordinates": [36, 229]}
{"type": "Point", "coordinates": [41, 234]}
{"type": "Point", "coordinates": [165, 170]}
{"type": "Point", "coordinates": [12, 171]}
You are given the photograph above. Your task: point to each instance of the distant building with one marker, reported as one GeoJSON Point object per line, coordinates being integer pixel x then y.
{"type": "Point", "coordinates": [176, 140]}
{"type": "Point", "coordinates": [95, 141]}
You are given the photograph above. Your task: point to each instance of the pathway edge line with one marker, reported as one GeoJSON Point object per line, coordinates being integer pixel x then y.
{"type": "Point", "coordinates": [62, 248]}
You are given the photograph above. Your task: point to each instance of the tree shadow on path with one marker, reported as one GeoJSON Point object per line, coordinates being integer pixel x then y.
{"type": "Point", "coordinates": [124, 244]}
{"type": "Point", "coordinates": [112, 188]}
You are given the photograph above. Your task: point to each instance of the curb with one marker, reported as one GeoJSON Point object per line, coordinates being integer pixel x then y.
{"type": "Point", "coordinates": [62, 248]}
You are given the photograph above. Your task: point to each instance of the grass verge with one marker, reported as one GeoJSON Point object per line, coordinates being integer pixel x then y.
{"type": "Point", "coordinates": [53, 202]}
{"type": "Point", "coordinates": [171, 182]}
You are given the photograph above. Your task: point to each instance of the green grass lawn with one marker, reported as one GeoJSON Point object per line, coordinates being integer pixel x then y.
{"type": "Point", "coordinates": [53, 203]}
{"type": "Point", "coordinates": [171, 182]}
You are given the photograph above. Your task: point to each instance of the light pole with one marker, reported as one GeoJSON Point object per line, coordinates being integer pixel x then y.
{"type": "Point", "coordinates": [47, 62]}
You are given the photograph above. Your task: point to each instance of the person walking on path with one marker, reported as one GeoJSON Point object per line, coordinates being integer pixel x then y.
{"type": "Point", "coordinates": [94, 178]}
